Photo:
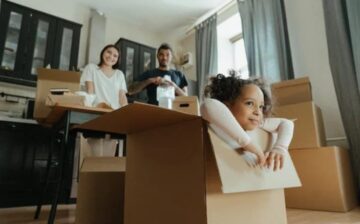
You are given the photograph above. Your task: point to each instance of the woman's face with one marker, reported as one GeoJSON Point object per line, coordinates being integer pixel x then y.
{"type": "Point", "coordinates": [248, 107]}
{"type": "Point", "coordinates": [110, 56]}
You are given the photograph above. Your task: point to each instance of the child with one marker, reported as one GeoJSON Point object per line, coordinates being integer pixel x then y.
{"type": "Point", "coordinates": [234, 106]}
{"type": "Point", "coordinates": [105, 80]}
{"type": "Point", "coordinates": [108, 84]}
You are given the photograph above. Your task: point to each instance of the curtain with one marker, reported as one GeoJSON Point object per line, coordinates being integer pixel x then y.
{"type": "Point", "coordinates": [206, 51]}
{"type": "Point", "coordinates": [344, 64]}
{"type": "Point", "coordinates": [265, 36]}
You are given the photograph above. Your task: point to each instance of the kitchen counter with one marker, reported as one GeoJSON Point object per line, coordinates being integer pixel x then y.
{"type": "Point", "coordinates": [18, 120]}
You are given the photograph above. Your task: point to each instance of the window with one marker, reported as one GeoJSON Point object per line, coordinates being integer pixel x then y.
{"type": "Point", "coordinates": [231, 49]}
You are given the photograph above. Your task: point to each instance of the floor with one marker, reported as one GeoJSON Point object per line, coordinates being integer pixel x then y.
{"type": "Point", "coordinates": [66, 215]}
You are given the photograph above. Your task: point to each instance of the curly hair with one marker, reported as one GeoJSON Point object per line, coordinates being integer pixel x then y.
{"type": "Point", "coordinates": [228, 89]}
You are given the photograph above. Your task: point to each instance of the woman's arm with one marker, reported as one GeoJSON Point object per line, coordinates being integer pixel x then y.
{"type": "Point", "coordinates": [89, 85]}
{"type": "Point", "coordinates": [223, 122]}
{"type": "Point", "coordinates": [122, 98]}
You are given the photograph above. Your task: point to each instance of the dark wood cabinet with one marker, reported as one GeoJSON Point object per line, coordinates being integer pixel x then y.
{"type": "Point", "coordinates": [135, 59]}
{"type": "Point", "coordinates": [24, 151]}
{"type": "Point", "coordinates": [30, 39]}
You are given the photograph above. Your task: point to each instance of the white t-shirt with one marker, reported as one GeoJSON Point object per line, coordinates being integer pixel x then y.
{"type": "Point", "coordinates": [106, 88]}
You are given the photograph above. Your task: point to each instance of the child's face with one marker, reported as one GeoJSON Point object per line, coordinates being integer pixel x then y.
{"type": "Point", "coordinates": [248, 107]}
{"type": "Point", "coordinates": [110, 56]}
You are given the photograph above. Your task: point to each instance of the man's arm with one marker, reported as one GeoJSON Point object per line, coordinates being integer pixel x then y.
{"type": "Point", "coordinates": [137, 87]}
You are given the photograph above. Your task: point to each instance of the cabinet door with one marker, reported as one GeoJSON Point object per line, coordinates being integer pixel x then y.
{"type": "Point", "coordinates": [129, 60]}
{"type": "Point", "coordinates": [66, 45]}
{"type": "Point", "coordinates": [13, 23]}
{"type": "Point", "coordinates": [41, 40]}
{"type": "Point", "coordinates": [147, 59]}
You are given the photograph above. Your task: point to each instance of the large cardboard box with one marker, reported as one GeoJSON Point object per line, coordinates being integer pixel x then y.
{"type": "Point", "coordinates": [292, 91]}
{"type": "Point", "coordinates": [52, 78]}
{"type": "Point", "coordinates": [101, 191]}
{"type": "Point", "coordinates": [327, 180]}
{"type": "Point", "coordinates": [309, 129]}
{"type": "Point", "coordinates": [173, 175]}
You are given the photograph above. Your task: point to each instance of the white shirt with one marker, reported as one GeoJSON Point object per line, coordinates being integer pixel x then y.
{"type": "Point", "coordinates": [106, 88]}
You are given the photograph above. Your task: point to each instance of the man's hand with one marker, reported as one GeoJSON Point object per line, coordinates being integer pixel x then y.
{"type": "Point", "coordinates": [155, 80]}
{"type": "Point", "coordinates": [275, 159]}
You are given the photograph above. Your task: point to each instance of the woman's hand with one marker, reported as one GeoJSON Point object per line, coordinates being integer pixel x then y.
{"type": "Point", "coordinates": [275, 159]}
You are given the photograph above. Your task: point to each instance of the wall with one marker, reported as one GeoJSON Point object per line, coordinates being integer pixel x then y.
{"type": "Point", "coordinates": [310, 57]}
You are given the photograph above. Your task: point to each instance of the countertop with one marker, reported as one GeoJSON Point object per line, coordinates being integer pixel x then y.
{"type": "Point", "coordinates": [17, 120]}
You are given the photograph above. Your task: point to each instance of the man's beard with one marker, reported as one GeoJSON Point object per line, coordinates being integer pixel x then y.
{"type": "Point", "coordinates": [162, 65]}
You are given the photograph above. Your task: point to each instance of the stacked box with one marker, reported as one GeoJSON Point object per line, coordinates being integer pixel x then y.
{"type": "Point", "coordinates": [324, 171]}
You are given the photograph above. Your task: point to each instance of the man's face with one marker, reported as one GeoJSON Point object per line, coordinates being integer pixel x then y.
{"type": "Point", "coordinates": [164, 57]}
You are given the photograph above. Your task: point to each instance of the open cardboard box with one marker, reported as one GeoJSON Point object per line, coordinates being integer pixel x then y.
{"type": "Point", "coordinates": [53, 78]}
{"type": "Point", "coordinates": [186, 104]}
{"type": "Point", "coordinates": [176, 173]}
{"type": "Point", "coordinates": [101, 191]}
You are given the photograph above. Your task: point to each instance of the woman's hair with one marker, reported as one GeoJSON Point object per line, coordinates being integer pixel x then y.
{"type": "Point", "coordinates": [116, 66]}
{"type": "Point", "coordinates": [228, 89]}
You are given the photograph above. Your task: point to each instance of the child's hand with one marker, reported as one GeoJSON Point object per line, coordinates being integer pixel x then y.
{"type": "Point", "coordinates": [275, 159]}
{"type": "Point", "coordinates": [259, 153]}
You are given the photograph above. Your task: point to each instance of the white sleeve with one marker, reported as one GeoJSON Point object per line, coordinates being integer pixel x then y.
{"type": "Point", "coordinates": [87, 74]}
{"type": "Point", "coordinates": [223, 122]}
{"type": "Point", "coordinates": [284, 129]}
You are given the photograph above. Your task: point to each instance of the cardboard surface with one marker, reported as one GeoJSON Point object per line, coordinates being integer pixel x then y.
{"type": "Point", "coordinates": [309, 131]}
{"type": "Point", "coordinates": [52, 78]}
{"type": "Point", "coordinates": [186, 104]}
{"type": "Point", "coordinates": [237, 176]}
{"type": "Point", "coordinates": [101, 191]}
{"type": "Point", "coordinates": [292, 91]}
{"type": "Point", "coordinates": [69, 98]}
{"type": "Point", "coordinates": [327, 180]}
{"type": "Point", "coordinates": [168, 176]}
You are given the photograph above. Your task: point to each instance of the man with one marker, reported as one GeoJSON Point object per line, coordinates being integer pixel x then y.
{"type": "Point", "coordinates": [152, 78]}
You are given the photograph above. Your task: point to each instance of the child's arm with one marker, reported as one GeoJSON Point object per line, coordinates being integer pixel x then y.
{"type": "Point", "coordinates": [223, 122]}
{"type": "Point", "coordinates": [284, 128]}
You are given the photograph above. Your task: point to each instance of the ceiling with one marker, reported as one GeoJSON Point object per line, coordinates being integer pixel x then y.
{"type": "Point", "coordinates": [159, 15]}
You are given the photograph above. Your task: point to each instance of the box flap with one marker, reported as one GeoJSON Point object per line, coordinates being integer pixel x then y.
{"type": "Point", "coordinates": [52, 78]}
{"type": "Point", "coordinates": [291, 82]}
{"type": "Point", "coordinates": [237, 176]}
{"type": "Point", "coordinates": [103, 164]}
{"type": "Point", "coordinates": [135, 117]}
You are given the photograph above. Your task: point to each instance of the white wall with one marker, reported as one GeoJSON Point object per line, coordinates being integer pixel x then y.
{"type": "Point", "coordinates": [308, 42]}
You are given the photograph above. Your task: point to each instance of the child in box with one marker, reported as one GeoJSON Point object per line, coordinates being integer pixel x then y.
{"type": "Point", "coordinates": [233, 106]}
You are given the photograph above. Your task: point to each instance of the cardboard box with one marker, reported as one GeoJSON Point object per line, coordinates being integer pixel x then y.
{"type": "Point", "coordinates": [292, 91]}
{"type": "Point", "coordinates": [327, 180]}
{"type": "Point", "coordinates": [101, 191]}
{"type": "Point", "coordinates": [309, 129]}
{"type": "Point", "coordinates": [186, 104]}
{"type": "Point", "coordinates": [52, 78]}
{"type": "Point", "coordinates": [66, 98]}
{"type": "Point", "coordinates": [174, 176]}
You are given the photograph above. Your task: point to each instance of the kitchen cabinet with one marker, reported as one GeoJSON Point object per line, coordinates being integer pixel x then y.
{"type": "Point", "coordinates": [135, 59]}
{"type": "Point", "coordinates": [24, 151]}
{"type": "Point", "coordinates": [30, 39]}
